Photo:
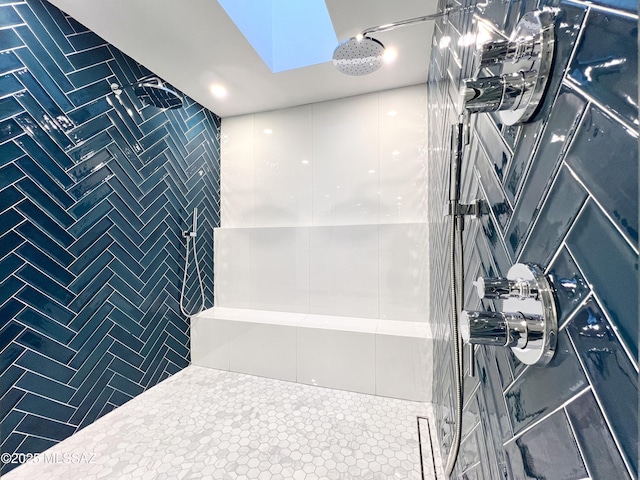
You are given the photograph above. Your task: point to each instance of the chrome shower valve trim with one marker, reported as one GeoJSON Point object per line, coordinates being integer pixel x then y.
{"type": "Point", "coordinates": [528, 323]}
{"type": "Point", "coordinates": [526, 60]}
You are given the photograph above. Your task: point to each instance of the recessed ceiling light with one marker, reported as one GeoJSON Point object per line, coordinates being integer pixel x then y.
{"type": "Point", "coordinates": [389, 55]}
{"type": "Point", "coordinates": [267, 131]}
{"type": "Point", "coordinates": [392, 113]}
{"type": "Point", "coordinates": [218, 90]}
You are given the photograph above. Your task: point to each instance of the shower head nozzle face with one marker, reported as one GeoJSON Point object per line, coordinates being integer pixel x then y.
{"type": "Point", "coordinates": [358, 56]}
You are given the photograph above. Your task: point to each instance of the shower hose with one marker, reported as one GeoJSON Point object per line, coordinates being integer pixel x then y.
{"type": "Point", "coordinates": [184, 278]}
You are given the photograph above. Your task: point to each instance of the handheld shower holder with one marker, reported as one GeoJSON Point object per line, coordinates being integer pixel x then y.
{"type": "Point", "coordinates": [528, 323]}
{"type": "Point", "coordinates": [526, 60]}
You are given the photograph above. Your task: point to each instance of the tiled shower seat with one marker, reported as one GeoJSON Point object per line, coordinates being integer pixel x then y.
{"type": "Point", "coordinates": [382, 357]}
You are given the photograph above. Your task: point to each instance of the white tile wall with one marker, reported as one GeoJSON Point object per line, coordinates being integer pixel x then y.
{"type": "Point", "coordinates": [345, 161]}
{"type": "Point", "coordinates": [344, 270]}
{"type": "Point", "coordinates": [403, 271]}
{"type": "Point", "coordinates": [282, 167]}
{"type": "Point", "coordinates": [353, 161]}
{"type": "Point", "coordinates": [403, 161]}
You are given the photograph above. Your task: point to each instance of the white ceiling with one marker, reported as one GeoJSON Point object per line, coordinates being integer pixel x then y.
{"type": "Point", "coordinates": [193, 44]}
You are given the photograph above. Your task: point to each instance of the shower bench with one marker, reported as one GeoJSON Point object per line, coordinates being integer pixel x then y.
{"type": "Point", "coordinates": [381, 357]}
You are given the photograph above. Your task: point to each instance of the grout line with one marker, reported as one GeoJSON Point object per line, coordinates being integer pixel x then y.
{"type": "Point", "coordinates": [547, 415]}
{"type": "Point", "coordinates": [603, 411]}
{"type": "Point", "coordinates": [602, 209]}
{"type": "Point", "coordinates": [631, 129]}
{"type": "Point", "coordinates": [575, 437]}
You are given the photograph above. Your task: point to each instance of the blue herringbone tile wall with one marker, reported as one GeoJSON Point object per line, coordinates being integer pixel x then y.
{"type": "Point", "coordinates": [94, 192]}
{"type": "Point", "coordinates": [561, 192]}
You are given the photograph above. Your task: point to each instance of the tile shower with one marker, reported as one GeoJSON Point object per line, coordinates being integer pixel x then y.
{"type": "Point", "coordinates": [560, 191]}
{"type": "Point", "coordinates": [87, 324]}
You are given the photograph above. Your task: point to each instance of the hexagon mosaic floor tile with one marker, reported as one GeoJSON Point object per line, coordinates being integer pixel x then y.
{"type": "Point", "coordinates": [204, 423]}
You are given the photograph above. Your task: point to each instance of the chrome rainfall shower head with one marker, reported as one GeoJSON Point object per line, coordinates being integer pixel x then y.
{"type": "Point", "coordinates": [359, 55]}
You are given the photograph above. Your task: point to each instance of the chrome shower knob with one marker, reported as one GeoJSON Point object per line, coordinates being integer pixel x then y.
{"type": "Point", "coordinates": [499, 329]}
{"type": "Point", "coordinates": [505, 288]}
{"type": "Point", "coordinates": [528, 323]}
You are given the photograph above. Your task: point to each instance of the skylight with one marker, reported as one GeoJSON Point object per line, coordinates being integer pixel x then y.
{"type": "Point", "coordinates": [287, 34]}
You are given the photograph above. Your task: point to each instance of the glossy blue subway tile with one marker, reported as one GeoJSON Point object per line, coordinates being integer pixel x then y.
{"type": "Point", "coordinates": [9, 421]}
{"type": "Point", "coordinates": [47, 15]}
{"type": "Point", "coordinates": [90, 200]}
{"type": "Point", "coordinates": [33, 444]}
{"type": "Point", "coordinates": [45, 263]}
{"type": "Point", "coordinates": [48, 74]}
{"type": "Point", "coordinates": [128, 329]}
{"type": "Point", "coordinates": [89, 110]}
{"type": "Point", "coordinates": [89, 164]}
{"type": "Point", "coordinates": [9, 62]}
{"type": "Point", "coordinates": [89, 353]}
{"type": "Point", "coordinates": [45, 325]}
{"type": "Point", "coordinates": [98, 406]}
{"type": "Point", "coordinates": [48, 54]}
{"type": "Point", "coordinates": [9, 152]}
{"type": "Point", "coordinates": [90, 57]}
{"type": "Point", "coordinates": [89, 129]}
{"type": "Point", "coordinates": [126, 370]}
{"type": "Point", "coordinates": [9, 377]}
{"type": "Point", "coordinates": [55, 120]}
{"type": "Point", "coordinates": [40, 218]}
{"type": "Point", "coordinates": [95, 267]}
{"type": "Point", "coordinates": [9, 356]}
{"type": "Point", "coordinates": [125, 385]}
{"type": "Point", "coordinates": [570, 286]}
{"type": "Point", "coordinates": [44, 283]}
{"type": "Point", "coordinates": [94, 248]}
{"type": "Point", "coordinates": [55, 410]}
{"type": "Point", "coordinates": [128, 355]}
{"type": "Point", "coordinates": [36, 362]}
{"type": "Point", "coordinates": [44, 181]}
{"type": "Point", "coordinates": [9, 129]}
{"type": "Point", "coordinates": [43, 344]}
{"type": "Point", "coordinates": [556, 217]}
{"type": "Point", "coordinates": [89, 148]}
{"type": "Point", "coordinates": [90, 388]}
{"type": "Point", "coordinates": [85, 41]}
{"type": "Point", "coordinates": [9, 39]}
{"type": "Point", "coordinates": [606, 62]}
{"type": "Point", "coordinates": [37, 237]}
{"type": "Point", "coordinates": [45, 428]}
{"type": "Point", "coordinates": [89, 93]}
{"type": "Point", "coordinates": [546, 451]}
{"type": "Point", "coordinates": [52, 162]}
{"type": "Point", "coordinates": [596, 443]}
{"type": "Point", "coordinates": [555, 140]}
{"type": "Point", "coordinates": [9, 242]}
{"type": "Point", "coordinates": [46, 387]}
{"type": "Point", "coordinates": [123, 240]}
{"type": "Point", "coordinates": [541, 390]}
{"type": "Point", "coordinates": [90, 290]}
{"type": "Point", "coordinates": [83, 224]}
{"type": "Point", "coordinates": [612, 374]}
{"type": "Point", "coordinates": [605, 154]}
{"type": "Point", "coordinates": [608, 258]}
{"type": "Point", "coordinates": [8, 175]}
{"type": "Point", "coordinates": [8, 106]}
{"type": "Point", "coordinates": [44, 202]}
{"type": "Point", "coordinates": [92, 181]}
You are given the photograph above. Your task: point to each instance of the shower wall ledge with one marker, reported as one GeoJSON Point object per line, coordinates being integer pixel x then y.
{"type": "Point", "coordinates": [390, 358]}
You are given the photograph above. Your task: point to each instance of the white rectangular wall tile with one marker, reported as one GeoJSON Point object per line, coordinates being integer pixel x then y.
{"type": "Point", "coordinates": [263, 349]}
{"type": "Point", "coordinates": [210, 340]}
{"type": "Point", "coordinates": [283, 154]}
{"type": "Point", "coordinates": [336, 359]}
{"type": "Point", "coordinates": [237, 171]}
{"type": "Point", "coordinates": [344, 270]}
{"type": "Point", "coordinates": [403, 159]}
{"type": "Point", "coordinates": [345, 161]}
{"type": "Point", "coordinates": [403, 367]}
{"type": "Point", "coordinates": [403, 271]}
{"type": "Point", "coordinates": [262, 268]}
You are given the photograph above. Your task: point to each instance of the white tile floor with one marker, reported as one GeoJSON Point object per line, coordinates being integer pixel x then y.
{"type": "Point", "coordinates": [204, 423]}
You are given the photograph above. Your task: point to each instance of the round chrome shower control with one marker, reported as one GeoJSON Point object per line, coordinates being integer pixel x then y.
{"type": "Point", "coordinates": [505, 288]}
{"type": "Point", "coordinates": [528, 323]}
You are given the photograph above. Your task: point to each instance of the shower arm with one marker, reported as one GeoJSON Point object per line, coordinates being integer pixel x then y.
{"type": "Point", "coordinates": [409, 21]}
